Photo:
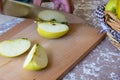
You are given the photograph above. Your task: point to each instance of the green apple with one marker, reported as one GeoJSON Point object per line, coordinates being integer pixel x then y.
{"type": "Point", "coordinates": [52, 15]}
{"type": "Point", "coordinates": [52, 24]}
{"type": "Point", "coordinates": [118, 9]}
{"type": "Point", "coordinates": [37, 58]}
{"type": "Point", "coordinates": [52, 30]}
{"type": "Point", "coordinates": [16, 47]}
{"type": "Point", "coordinates": [111, 6]}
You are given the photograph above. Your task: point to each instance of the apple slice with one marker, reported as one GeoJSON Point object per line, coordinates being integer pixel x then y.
{"type": "Point", "coordinates": [12, 48]}
{"type": "Point", "coordinates": [37, 58]}
{"type": "Point", "coordinates": [52, 29]}
{"type": "Point", "coordinates": [52, 15]}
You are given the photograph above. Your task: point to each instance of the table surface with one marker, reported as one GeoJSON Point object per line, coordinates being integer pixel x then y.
{"type": "Point", "coordinates": [103, 63]}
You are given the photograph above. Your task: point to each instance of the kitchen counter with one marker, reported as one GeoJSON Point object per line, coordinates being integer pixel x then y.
{"type": "Point", "coordinates": [103, 63]}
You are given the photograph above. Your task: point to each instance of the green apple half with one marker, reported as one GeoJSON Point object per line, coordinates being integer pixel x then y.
{"type": "Point", "coordinates": [13, 48]}
{"type": "Point", "coordinates": [52, 30]}
{"type": "Point", "coordinates": [37, 58]}
{"type": "Point", "coordinates": [53, 24]}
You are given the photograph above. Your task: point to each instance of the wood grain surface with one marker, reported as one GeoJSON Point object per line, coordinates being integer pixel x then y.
{"type": "Point", "coordinates": [63, 53]}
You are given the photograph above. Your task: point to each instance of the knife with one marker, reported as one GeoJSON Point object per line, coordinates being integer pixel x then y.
{"type": "Point", "coordinates": [20, 9]}
{"type": "Point", "coordinates": [25, 10]}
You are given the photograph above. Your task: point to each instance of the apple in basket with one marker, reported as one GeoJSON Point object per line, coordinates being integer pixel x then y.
{"type": "Point", "coordinates": [118, 9]}
{"type": "Point", "coordinates": [111, 6]}
{"type": "Point", "coordinates": [52, 24]}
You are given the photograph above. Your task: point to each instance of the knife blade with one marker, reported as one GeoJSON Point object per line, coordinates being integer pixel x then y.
{"type": "Point", "coordinates": [20, 9]}
{"type": "Point", "coordinates": [25, 10]}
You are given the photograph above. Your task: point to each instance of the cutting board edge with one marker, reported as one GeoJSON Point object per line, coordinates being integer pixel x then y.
{"type": "Point", "coordinates": [100, 39]}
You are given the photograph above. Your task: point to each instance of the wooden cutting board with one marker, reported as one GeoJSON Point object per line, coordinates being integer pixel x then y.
{"type": "Point", "coordinates": [63, 53]}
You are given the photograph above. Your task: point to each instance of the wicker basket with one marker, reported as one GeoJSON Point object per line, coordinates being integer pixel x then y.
{"type": "Point", "coordinates": [114, 24]}
{"type": "Point", "coordinates": [112, 20]}
{"type": "Point", "coordinates": [110, 24]}
{"type": "Point", "coordinates": [113, 41]}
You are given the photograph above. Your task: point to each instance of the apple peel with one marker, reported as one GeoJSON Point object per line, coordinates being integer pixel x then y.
{"type": "Point", "coordinates": [37, 58]}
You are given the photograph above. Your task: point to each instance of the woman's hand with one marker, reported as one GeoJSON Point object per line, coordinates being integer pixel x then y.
{"type": "Point", "coordinates": [64, 5]}
{"type": "Point", "coordinates": [37, 2]}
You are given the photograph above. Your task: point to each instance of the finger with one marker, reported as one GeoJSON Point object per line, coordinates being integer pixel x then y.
{"type": "Point", "coordinates": [56, 4]}
{"type": "Point", "coordinates": [37, 2]}
{"type": "Point", "coordinates": [67, 6]}
{"type": "Point", "coordinates": [71, 7]}
{"type": "Point", "coordinates": [62, 8]}
{"type": "Point", "coordinates": [66, 9]}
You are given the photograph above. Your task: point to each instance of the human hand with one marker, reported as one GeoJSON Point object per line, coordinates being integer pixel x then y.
{"type": "Point", "coordinates": [37, 2]}
{"type": "Point", "coordinates": [64, 5]}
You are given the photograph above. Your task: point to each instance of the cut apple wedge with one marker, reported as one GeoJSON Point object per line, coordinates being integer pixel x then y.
{"type": "Point", "coordinates": [37, 58]}
{"type": "Point", "coordinates": [13, 48]}
{"type": "Point", "coordinates": [52, 15]}
{"type": "Point", "coordinates": [52, 30]}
